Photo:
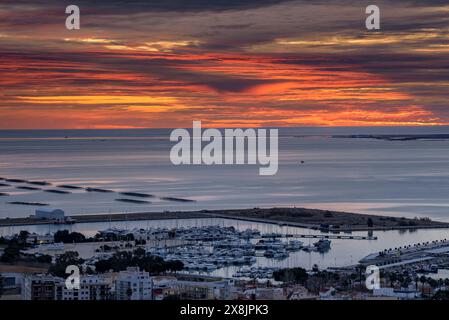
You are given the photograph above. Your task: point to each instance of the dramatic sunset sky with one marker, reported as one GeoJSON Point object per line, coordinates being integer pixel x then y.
{"type": "Point", "coordinates": [229, 63]}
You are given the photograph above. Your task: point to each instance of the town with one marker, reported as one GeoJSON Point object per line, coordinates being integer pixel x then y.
{"type": "Point", "coordinates": [215, 150]}
{"type": "Point", "coordinates": [178, 263]}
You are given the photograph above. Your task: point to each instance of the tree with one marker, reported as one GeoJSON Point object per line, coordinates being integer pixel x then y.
{"type": "Point", "coordinates": [129, 237]}
{"type": "Point", "coordinates": [432, 282]}
{"type": "Point", "coordinates": [370, 223]}
{"type": "Point", "coordinates": [3, 240]}
{"type": "Point", "coordinates": [138, 258]}
{"type": "Point", "coordinates": [328, 214]}
{"type": "Point", "coordinates": [23, 236]}
{"type": "Point", "coordinates": [44, 258]}
{"type": "Point", "coordinates": [296, 275]}
{"type": "Point", "coordinates": [140, 242]}
{"type": "Point", "coordinates": [68, 237]}
{"type": "Point", "coordinates": [441, 295]}
{"type": "Point", "coordinates": [446, 282]}
{"type": "Point", "coordinates": [11, 253]}
{"type": "Point", "coordinates": [63, 261]}
{"type": "Point", "coordinates": [103, 266]}
{"type": "Point", "coordinates": [393, 278]}
{"type": "Point", "coordinates": [174, 265]}
{"type": "Point", "coordinates": [139, 252]}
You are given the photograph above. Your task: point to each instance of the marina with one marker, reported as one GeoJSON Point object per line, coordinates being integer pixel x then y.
{"type": "Point", "coordinates": [409, 254]}
{"type": "Point", "coordinates": [342, 252]}
{"type": "Point", "coordinates": [224, 156]}
{"type": "Point", "coordinates": [205, 249]}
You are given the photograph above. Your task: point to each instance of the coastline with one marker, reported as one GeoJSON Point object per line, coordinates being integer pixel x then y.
{"type": "Point", "coordinates": [332, 221]}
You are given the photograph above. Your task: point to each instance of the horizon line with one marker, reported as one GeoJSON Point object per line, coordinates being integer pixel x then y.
{"type": "Point", "coordinates": [222, 127]}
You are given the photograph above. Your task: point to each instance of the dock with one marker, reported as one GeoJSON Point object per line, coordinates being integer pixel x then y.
{"type": "Point", "coordinates": [410, 254]}
{"type": "Point", "coordinates": [334, 232]}
{"type": "Point", "coordinates": [341, 237]}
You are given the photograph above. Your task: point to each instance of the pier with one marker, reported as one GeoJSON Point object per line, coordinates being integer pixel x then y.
{"type": "Point", "coordinates": [406, 255]}
{"type": "Point", "coordinates": [341, 223]}
{"type": "Point", "coordinates": [342, 237]}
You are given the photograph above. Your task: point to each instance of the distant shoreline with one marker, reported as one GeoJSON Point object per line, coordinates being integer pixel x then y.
{"type": "Point", "coordinates": [395, 137]}
{"type": "Point", "coordinates": [333, 221]}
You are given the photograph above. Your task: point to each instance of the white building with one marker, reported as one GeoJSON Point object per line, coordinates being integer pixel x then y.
{"type": "Point", "coordinates": [35, 238]}
{"type": "Point", "coordinates": [47, 287]}
{"type": "Point", "coordinates": [206, 290]}
{"type": "Point", "coordinates": [403, 293]}
{"type": "Point", "coordinates": [91, 288]}
{"type": "Point", "coordinates": [133, 284]}
{"type": "Point", "coordinates": [50, 214]}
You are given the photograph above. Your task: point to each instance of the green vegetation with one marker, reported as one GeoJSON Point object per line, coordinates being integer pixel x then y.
{"type": "Point", "coordinates": [23, 236]}
{"type": "Point", "coordinates": [113, 237]}
{"type": "Point", "coordinates": [44, 258]}
{"type": "Point", "coordinates": [12, 252]}
{"type": "Point", "coordinates": [441, 295]}
{"type": "Point", "coordinates": [63, 261]}
{"type": "Point", "coordinates": [328, 214]}
{"type": "Point", "coordinates": [410, 223]}
{"type": "Point", "coordinates": [76, 237]}
{"type": "Point", "coordinates": [138, 258]}
{"type": "Point", "coordinates": [69, 237]}
{"type": "Point", "coordinates": [296, 275]}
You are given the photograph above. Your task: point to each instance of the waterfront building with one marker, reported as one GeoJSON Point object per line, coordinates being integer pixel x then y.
{"type": "Point", "coordinates": [133, 284]}
{"type": "Point", "coordinates": [50, 214]}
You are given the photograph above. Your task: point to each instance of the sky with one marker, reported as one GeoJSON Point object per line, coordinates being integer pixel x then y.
{"type": "Point", "coordinates": [228, 63]}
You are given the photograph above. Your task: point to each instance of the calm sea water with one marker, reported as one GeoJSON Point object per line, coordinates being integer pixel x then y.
{"type": "Point", "coordinates": [400, 178]}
